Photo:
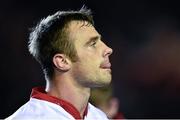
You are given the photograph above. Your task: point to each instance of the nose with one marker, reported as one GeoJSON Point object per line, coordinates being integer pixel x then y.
{"type": "Point", "coordinates": [108, 51]}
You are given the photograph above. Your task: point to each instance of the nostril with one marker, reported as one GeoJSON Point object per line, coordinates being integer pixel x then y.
{"type": "Point", "coordinates": [108, 52]}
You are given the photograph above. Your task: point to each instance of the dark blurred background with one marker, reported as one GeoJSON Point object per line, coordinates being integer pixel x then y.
{"type": "Point", "coordinates": [145, 36]}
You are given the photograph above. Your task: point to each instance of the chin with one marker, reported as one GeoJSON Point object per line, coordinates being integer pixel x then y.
{"type": "Point", "coordinates": [108, 79]}
{"type": "Point", "coordinates": [105, 83]}
{"type": "Point", "coordinates": [102, 83]}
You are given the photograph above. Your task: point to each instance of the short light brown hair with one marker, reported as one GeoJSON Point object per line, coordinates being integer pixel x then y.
{"type": "Point", "coordinates": [50, 36]}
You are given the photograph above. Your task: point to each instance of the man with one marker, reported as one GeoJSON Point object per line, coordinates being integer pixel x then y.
{"type": "Point", "coordinates": [74, 60]}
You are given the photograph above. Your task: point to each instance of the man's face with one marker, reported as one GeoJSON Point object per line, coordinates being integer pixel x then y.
{"type": "Point", "coordinates": [93, 68]}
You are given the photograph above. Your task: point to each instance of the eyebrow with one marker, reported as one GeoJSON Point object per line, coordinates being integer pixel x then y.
{"type": "Point", "coordinates": [95, 38]}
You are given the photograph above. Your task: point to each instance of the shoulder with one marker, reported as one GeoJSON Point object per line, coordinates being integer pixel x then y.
{"type": "Point", "coordinates": [39, 109]}
{"type": "Point", "coordinates": [95, 113]}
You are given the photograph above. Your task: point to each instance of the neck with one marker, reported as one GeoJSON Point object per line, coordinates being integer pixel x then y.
{"type": "Point", "coordinates": [67, 89]}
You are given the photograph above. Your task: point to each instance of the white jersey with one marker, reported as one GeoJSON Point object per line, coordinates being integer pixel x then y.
{"type": "Point", "coordinates": [43, 109]}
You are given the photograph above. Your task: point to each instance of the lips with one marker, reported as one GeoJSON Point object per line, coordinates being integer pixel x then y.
{"type": "Point", "coordinates": [106, 65]}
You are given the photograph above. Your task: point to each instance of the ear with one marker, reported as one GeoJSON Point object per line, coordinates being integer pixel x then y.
{"type": "Point", "coordinates": [61, 62]}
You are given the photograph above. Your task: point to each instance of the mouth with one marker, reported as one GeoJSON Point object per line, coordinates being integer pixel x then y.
{"type": "Point", "coordinates": [106, 65]}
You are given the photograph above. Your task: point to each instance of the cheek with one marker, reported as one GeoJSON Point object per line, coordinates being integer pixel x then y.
{"type": "Point", "coordinates": [90, 59]}
{"type": "Point", "coordinates": [91, 62]}
{"type": "Point", "coordinates": [89, 67]}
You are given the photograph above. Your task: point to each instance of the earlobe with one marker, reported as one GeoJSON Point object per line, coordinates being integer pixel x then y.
{"type": "Point", "coordinates": [61, 62]}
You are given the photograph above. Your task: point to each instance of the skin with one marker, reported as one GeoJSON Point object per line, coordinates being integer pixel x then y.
{"type": "Point", "coordinates": [110, 107]}
{"type": "Point", "coordinates": [72, 81]}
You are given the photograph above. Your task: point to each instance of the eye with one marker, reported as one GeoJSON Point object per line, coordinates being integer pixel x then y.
{"type": "Point", "coordinates": [93, 43]}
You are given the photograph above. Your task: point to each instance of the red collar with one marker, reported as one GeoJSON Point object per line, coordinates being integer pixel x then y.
{"type": "Point", "coordinates": [40, 93]}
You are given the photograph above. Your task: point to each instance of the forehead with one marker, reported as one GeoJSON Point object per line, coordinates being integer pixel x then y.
{"type": "Point", "coordinates": [81, 30]}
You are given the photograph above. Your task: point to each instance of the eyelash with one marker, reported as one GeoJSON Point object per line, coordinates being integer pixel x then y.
{"type": "Point", "coordinates": [93, 43]}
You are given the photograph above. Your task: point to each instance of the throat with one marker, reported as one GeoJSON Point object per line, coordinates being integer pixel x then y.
{"type": "Point", "coordinates": [78, 98]}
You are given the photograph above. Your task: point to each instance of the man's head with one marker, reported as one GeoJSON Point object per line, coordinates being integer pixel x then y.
{"type": "Point", "coordinates": [66, 42]}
